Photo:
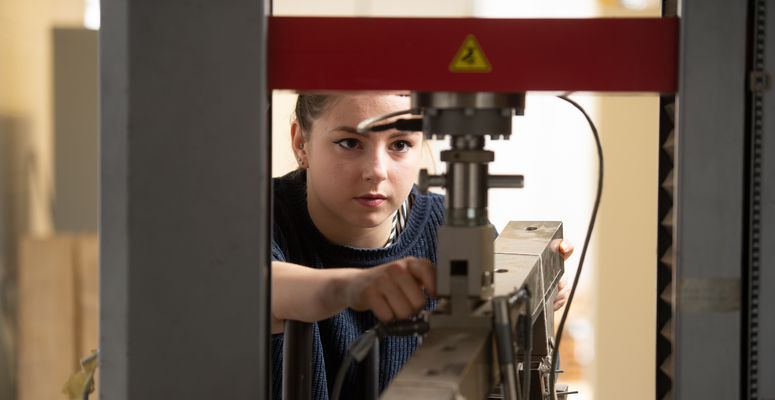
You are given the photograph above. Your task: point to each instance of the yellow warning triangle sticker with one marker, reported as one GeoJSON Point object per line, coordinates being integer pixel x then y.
{"type": "Point", "coordinates": [470, 58]}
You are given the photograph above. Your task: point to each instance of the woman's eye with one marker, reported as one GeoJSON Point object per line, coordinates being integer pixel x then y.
{"type": "Point", "coordinates": [348, 143]}
{"type": "Point", "coordinates": [401, 145]}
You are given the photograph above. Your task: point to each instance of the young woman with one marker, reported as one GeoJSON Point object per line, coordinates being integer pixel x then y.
{"type": "Point", "coordinates": [354, 241]}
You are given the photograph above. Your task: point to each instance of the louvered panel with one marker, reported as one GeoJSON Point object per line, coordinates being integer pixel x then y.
{"type": "Point", "coordinates": [669, 145]}
{"type": "Point", "coordinates": [665, 235]}
{"type": "Point", "coordinates": [667, 258]}
{"type": "Point", "coordinates": [667, 222]}
{"type": "Point", "coordinates": [667, 297]}
{"type": "Point", "coordinates": [668, 184]}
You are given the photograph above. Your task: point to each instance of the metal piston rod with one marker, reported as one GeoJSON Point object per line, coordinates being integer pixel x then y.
{"type": "Point", "coordinates": [456, 358]}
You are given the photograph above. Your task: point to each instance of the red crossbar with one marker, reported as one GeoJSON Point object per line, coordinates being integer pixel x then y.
{"type": "Point", "coordinates": [605, 54]}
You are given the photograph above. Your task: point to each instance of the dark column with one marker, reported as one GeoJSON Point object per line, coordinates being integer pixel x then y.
{"type": "Point", "coordinates": [185, 200]}
{"type": "Point", "coordinates": [708, 200]}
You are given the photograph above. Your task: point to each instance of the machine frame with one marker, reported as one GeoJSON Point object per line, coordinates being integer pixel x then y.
{"type": "Point", "coordinates": [181, 315]}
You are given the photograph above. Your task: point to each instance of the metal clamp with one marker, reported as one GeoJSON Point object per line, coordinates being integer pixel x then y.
{"type": "Point", "coordinates": [468, 156]}
{"type": "Point", "coordinates": [425, 181]}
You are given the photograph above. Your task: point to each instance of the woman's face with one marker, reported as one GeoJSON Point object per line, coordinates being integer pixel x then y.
{"type": "Point", "coordinates": [356, 180]}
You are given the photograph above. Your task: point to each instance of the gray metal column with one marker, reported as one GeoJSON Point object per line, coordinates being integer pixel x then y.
{"type": "Point", "coordinates": [185, 200]}
{"type": "Point", "coordinates": [709, 189]}
{"type": "Point", "coordinates": [76, 108]}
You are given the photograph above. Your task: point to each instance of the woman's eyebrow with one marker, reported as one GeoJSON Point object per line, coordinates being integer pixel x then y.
{"type": "Point", "coordinates": [403, 133]}
{"type": "Point", "coordinates": [350, 129]}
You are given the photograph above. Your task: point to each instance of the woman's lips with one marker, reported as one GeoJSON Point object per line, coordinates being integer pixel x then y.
{"type": "Point", "coordinates": [370, 201]}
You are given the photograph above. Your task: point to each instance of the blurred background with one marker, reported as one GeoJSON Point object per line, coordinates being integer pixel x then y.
{"type": "Point", "coordinates": [49, 190]}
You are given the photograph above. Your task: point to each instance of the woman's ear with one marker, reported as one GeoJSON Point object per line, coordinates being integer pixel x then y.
{"type": "Point", "coordinates": [297, 145]}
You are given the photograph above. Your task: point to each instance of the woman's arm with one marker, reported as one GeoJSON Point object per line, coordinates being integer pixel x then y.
{"type": "Point", "coordinates": [304, 294]}
{"type": "Point", "coordinates": [391, 291]}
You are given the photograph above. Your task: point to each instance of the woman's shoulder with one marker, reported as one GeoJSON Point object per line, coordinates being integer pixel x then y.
{"type": "Point", "coordinates": [428, 208]}
{"type": "Point", "coordinates": [434, 201]}
{"type": "Point", "coordinates": [289, 198]}
{"type": "Point", "coordinates": [292, 181]}
{"type": "Point", "coordinates": [289, 190]}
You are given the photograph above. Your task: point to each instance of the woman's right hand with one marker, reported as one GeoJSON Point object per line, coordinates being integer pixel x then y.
{"type": "Point", "coordinates": [392, 290]}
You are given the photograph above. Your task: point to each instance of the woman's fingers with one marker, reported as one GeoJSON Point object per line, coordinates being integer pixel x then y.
{"type": "Point", "coordinates": [424, 271]}
{"type": "Point", "coordinates": [379, 306]}
{"type": "Point", "coordinates": [393, 295]}
{"type": "Point", "coordinates": [410, 286]}
{"type": "Point", "coordinates": [562, 293]}
{"type": "Point", "coordinates": [395, 290]}
{"type": "Point", "coordinates": [566, 248]}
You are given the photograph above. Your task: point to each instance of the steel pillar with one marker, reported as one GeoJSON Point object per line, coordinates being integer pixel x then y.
{"type": "Point", "coordinates": [709, 189]}
{"type": "Point", "coordinates": [185, 200]}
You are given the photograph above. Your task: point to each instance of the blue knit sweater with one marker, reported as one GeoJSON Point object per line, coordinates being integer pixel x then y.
{"type": "Point", "coordinates": [297, 240]}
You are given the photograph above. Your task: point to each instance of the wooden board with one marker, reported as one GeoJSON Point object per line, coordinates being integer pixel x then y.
{"type": "Point", "coordinates": [47, 315]}
{"type": "Point", "coordinates": [88, 297]}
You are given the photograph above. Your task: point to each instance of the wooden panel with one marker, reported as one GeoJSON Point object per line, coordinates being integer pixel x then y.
{"type": "Point", "coordinates": [47, 310]}
{"type": "Point", "coordinates": [88, 296]}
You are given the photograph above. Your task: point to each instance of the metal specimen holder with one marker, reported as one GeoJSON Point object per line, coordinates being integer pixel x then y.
{"type": "Point", "coordinates": [484, 284]}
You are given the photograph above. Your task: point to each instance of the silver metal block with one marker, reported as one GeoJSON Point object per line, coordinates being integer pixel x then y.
{"type": "Point", "coordinates": [527, 256]}
{"type": "Point", "coordinates": [458, 359]}
{"type": "Point", "coordinates": [519, 248]}
{"type": "Point", "coordinates": [470, 248]}
{"type": "Point", "coordinates": [451, 364]}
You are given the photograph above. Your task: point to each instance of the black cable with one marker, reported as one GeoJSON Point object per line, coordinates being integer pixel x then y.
{"type": "Point", "coordinates": [383, 127]}
{"type": "Point", "coordinates": [340, 376]}
{"type": "Point", "coordinates": [556, 353]}
{"type": "Point", "coordinates": [411, 124]}
{"type": "Point", "coordinates": [357, 350]}
{"type": "Point", "coordinates": [528, 344]}
{"type": "Point", "coordinates": [361, 346]}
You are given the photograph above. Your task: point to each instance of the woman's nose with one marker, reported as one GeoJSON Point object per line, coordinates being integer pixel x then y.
{"type": "Point", "coordinates": [375, 168]}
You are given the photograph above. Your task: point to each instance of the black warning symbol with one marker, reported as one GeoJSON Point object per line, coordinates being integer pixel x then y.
{"type": "Point", "coordinates": [470, 58]}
